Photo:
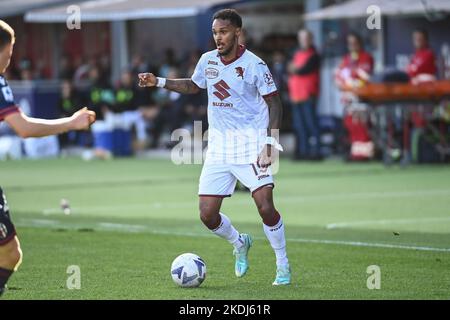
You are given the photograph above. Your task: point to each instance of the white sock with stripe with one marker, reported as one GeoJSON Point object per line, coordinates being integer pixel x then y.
{"type": "Point", "coordinates": [226, 231]}
{"type": "Point", "coordinates": [277, 240]}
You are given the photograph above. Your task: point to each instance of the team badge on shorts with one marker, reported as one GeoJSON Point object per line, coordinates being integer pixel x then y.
{"type": "Point", "coordinates": [3, 231]}
{"type": "Point", "coordinates": [261, 173]}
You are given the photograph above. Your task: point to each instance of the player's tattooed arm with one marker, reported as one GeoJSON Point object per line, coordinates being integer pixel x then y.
{"type": "Point", "coordinates": [266, 158]}
{"type": "Point", "coordinates": [275, 112]}
{"type": "Point", "coordinates": [184, 86]}
{"type": "Point", "coordinates": [27, 127]}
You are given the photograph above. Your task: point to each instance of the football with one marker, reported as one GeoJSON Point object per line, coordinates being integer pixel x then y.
{"type": "Point", "coordinates": [188, 270]}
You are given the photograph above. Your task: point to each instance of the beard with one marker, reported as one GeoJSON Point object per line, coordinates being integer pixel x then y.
{"type": "Point", "coordinates": [226, 51]}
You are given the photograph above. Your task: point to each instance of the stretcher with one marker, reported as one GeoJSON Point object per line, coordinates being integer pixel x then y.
{"type": "Point", "coordinates": [390, 107]}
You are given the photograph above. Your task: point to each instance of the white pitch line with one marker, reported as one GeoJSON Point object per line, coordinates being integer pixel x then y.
{"type": "Point", "coordinates": [377, 194]}
{"type": "Point", "coordinates": [317, 241]}
{"type": "Point", "coordinates": [90, 209]}
{"type": "Point", "coordinates": [281, 198]}
{"type": "Point", "coordinates": [42, 222]}
{"type": "Point", "coordinates": [121, 227]}
{"type": "Point", "coordinates": [371, 244]}
{"type": "Point", "coordinates": [337, 225]}
{"type": "Point", "coordinates": [141, 228]}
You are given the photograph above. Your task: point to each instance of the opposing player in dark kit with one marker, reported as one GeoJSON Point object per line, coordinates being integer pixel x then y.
{"type": "Point", "coordinates": [10, 251]}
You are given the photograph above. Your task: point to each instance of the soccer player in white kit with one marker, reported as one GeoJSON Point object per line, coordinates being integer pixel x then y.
{"type": "Point", "coordinates": [244, 109]}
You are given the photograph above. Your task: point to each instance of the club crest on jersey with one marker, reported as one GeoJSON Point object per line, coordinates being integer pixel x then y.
{"type": "Point", "coordinates": [240, 72]}
{"type": "Point", "coordinates": [211, 73]}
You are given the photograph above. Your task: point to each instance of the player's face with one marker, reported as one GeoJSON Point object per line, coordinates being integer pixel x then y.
{"type": "Point", "coordinates": [304, 38]}
{"type": "Point", "coordinates": [419, 40]}
{"type": "Point", "coordinates": [225, 36]}
{"type": "Point", "coordinates": [353, 44]}
{"type": "Point", "coordinates": [5, 57]}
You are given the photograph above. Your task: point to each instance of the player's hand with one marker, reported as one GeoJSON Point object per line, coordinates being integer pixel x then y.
{"type": "Point", "coordinates": [147, 80]}
{"type": "Point", "coordinates": [82, 119]}
{"type": "Point", "coordinates": [265, 157]}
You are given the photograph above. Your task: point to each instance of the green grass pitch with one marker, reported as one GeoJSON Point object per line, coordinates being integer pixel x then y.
{"type": "Point", "coordinates": [130, 218]}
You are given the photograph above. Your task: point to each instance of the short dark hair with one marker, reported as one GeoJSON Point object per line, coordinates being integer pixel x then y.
{"type": "Point", "coordinates": [423, 32]}
{"type": "Point", "coordinates": [231, 15]}
{"type": "Point", "coordinates": [6, 34]}
{"type": "Point", "coordinates": [357, 36]}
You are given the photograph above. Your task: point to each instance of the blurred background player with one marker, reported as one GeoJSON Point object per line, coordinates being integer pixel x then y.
{"type": "Point", "coordinates": [10, 251]}
{"type": "Point", "coordinates": [243, 101]}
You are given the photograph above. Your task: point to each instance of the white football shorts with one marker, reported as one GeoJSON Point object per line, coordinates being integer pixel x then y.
{"type": "Point", "coordinates": [220, 179]}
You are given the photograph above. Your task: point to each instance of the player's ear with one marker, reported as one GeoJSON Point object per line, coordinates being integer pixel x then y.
{"type": "Point", "coordinates": [238, 32]}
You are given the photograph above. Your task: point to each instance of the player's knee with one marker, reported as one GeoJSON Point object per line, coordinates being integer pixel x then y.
{"type": "Point", "coordinates": [205, 210]}
{"type": "Point", "coordinates": [208, 216]}
{"type": "Point", "coordinates": [11, 256]}
{"type": "Point", "coordinates": [16, 258]}
{"type": "Point", "coordinates": [266, 209]}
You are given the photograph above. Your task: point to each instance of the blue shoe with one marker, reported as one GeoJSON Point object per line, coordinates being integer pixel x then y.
{"type": "Point", "coordinates": [283, 276]}
{"type": "Point", "coordinates": [241, 265]}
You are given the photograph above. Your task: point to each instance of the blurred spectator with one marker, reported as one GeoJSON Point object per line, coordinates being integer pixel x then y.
{"type": "Point", "coordinates": [127, 109]}
{"type": "Point", "coordinates": [139, 65]}
{"type": "Point", "coordinates": [278, 68]}
{"type": "Point", "coordinates": [101, 100]}
{"type": "Point", "coordinates": [303, 91]}
{"type": "Point", "coordinates": [82, 78]}
{"type": "Point", "coordinates": [355, 71]}
{"type": "Point", "coordinates": [170, 110]}
{"type": "Point", "coordinates": [104, 64]}
{"type": "Point", "coordinates": [168, 63]}
{"type": "Point", "coordinates": [195, 106]}
{"type": "Point", "coordinates": [356, 67]}
{"type": "Point", "coordinates": [195, 109]}
{"type": "Point", "coordinates": [143, 96]}
{"type": "Point", "coordinates": [66, 70]}
{"type": "Point", "coordinates": [422, 67]}
{"type": "Point", "coordinates": [69, 103]}
{"type": "Point", "coordinates": [26, 70]}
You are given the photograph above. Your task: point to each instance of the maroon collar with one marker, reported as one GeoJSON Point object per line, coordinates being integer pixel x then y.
{"type": "Point", "coordinates": [240, 52]}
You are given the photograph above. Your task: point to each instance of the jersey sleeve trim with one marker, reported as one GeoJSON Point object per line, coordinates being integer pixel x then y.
{"type": "Point", "coordinates": [198, 77]}
{"type": "Point", "coordinates": [4, 112]}
{"type": "Point", "coordinates": [274, 93]}
{"type": "Point", "coordinates": [197, 84]}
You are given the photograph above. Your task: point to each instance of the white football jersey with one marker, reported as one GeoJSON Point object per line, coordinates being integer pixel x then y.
{"type": "Point", "coordinates": [238, 116]}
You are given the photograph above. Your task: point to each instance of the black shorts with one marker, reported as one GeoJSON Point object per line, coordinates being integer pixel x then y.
{"type": "Point", "coordinates": [7, 230]}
